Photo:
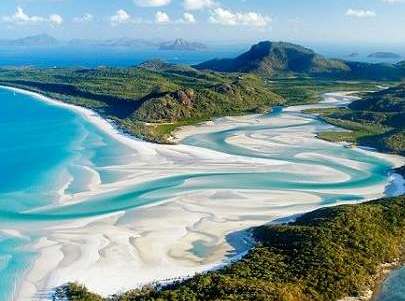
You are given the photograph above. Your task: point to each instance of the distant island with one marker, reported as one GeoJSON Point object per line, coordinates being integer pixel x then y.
{"type": "Point", "coordinates": [183, 45]}
{"type": "Point", "coordinates": [45, 40]}
{"type": "Point", "coordinates": [384, 55]}
{"type": "Point", "coordinates": [353, 54]}
{"type": "Point", "coordinates": [42, 40]}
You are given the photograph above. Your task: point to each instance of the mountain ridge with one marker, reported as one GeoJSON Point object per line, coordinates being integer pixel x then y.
{"type": "Point", "coordinates": [268, 57]}
{"type": "Point", "coordinates": [281, 58]}
{"type": "Point", "coordinates": [47, 40]}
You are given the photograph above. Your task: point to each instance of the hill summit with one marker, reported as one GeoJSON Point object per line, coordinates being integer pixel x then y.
{"type": "Point", "coordinates": [275, 57]}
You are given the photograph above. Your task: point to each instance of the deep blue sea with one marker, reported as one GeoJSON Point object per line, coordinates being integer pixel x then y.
{"type": "Point", "coordinates": [102, 56]}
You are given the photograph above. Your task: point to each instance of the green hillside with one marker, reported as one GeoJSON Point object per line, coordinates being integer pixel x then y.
{"type": "Point", "coordinates": [275, 59]}
{"type": "Point", "coordinates": [377, 120]}
{"type": "Point", "coordinates": [151, 100]}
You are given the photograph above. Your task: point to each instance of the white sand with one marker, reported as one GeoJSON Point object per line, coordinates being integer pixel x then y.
{"type": "Point", "coordinates": [124, 250]}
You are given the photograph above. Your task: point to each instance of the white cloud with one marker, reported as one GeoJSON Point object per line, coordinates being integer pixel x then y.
{"type": "Point", "coordinates": [162, 18]}
{"type": "Point", "coordinates": [120, 17]}
{"type": "Point", "coordinates": [21, 18]}
{"type": "Point", "coordinates": [229, 18]}
{"type": "Point", "coordinates": [199, 4]}
{"type": "Point", "coordinates": [55, 19]}
{"type": "Point", "coordinates": [360, 13]}
{"type": "Point", "coordinates": [152, 3]}
{"type": "Point", "coordinates": [86, 18]}
{"type": "Point", "coordinates": [188, 18]}
{"type": "Point", "coordinates": [393, 1]}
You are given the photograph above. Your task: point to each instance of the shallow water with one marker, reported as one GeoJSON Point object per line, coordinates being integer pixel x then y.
{"type": "Point", "coordinates": [44, 149]}
{"type": "Point", "coordinates": [51, 154]}
{"type": "Point", "coordinates": [393, 288]}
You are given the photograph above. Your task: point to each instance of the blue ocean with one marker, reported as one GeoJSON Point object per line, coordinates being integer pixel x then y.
{"type": "Point", "coordinates": [103, 56]}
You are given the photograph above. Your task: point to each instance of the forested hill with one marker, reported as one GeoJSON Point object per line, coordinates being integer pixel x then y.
{"type": "Point", "coordinates": [151, 100]}
{"type": "Point", "coordinates": [377, 120]}
{"type": "Point", "coordinates": [272, 58]}
{"type": "Point", "coordinates": [276, 59]}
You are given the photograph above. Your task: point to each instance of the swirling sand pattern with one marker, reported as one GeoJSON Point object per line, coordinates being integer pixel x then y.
{"type": "Point", "coordinates": [136, 212]}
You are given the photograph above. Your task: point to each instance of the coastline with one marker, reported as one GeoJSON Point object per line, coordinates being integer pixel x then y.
{"type": "Point", "coordinates": [90, 115]}
{"type": "Point", "coordinates": [175, 204]}
{"type": "Point", "coordinates": [382, 274]}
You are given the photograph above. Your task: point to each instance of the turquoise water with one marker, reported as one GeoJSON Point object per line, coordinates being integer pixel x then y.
{"type": "Point", "coordinates": [43, 148]}
{"type": "Point", "coordinates": [47, 150]}
{"type": "Point", "coordinates": [393, 289]}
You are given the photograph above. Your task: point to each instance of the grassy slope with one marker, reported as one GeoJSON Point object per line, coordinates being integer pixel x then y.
{"type": "Point", "coordinates": [325, 255]}
{"type": "Point", "coordinates": [377, 121]}
{"type": "Point", "coordinates": [144, 101]}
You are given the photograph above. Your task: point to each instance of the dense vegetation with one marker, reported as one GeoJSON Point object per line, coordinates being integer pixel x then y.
{"type": "Point", "coordinates": [153, 99]}
{"type": "Point", "coordinates": [305, 90]}
{"type": "Point", "coordinates": [150, 100]}
{"type": "Point", "coordinates": [272, 58]}
{"type": "Point", "coordinates": [276, 59]}
{"type": "Point", "coordinates": [377, 120]}
{"type": "Point", "coordinates": [325, 255]}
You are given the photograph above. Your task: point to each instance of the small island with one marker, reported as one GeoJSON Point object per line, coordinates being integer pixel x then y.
{"type": "Point", "coordinates": [182, 45]}
{"type": "Point", "coordinates": [353, 54]}
{"type": "Point", "coordinates": [384, 55]}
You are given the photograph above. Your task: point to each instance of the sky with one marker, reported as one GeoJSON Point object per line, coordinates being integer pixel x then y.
{"type": "Point", "coordinates": [220, 21]}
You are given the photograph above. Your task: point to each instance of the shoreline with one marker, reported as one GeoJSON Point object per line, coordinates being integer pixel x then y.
{"type": "Point", "coordinates": [90, 115]}
{"type": "Point", "coordinates": [382, 274]}
{"type": "Point", "coordinates": [139, 145]}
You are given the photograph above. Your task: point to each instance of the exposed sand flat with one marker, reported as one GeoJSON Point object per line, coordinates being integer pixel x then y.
{"type": "Point", "coordinates": [193, 229]}
{"type": "Point", "coordinates": [154, 243]}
